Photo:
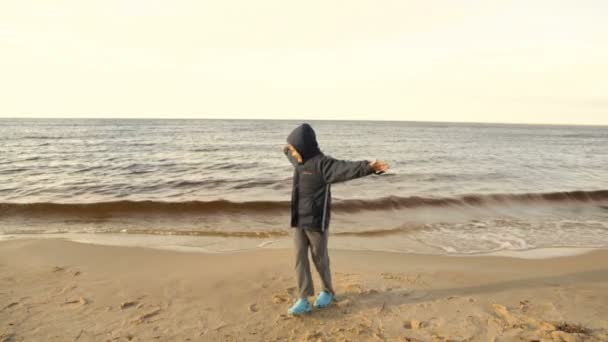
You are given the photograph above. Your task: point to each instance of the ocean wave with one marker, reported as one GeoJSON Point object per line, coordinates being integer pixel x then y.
{"type": "Point", "coordinates": [12, 171]}
{"type": "Point", "coordinates": [43, 137]}
{"type": "Point", "coordinates": [126, 207]}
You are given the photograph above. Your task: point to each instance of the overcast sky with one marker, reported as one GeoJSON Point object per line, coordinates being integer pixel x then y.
{"type": "Point", "coordinates": [541, 61]}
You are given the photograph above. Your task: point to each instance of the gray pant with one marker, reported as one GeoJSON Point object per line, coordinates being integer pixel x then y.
{"type": "Point", "coordinates": [317, 241]}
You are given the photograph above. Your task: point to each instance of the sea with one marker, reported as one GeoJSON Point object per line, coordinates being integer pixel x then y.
{"type": "Point", "coordinates": [223, 186]}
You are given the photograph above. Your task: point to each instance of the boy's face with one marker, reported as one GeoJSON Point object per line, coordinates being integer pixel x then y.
{"type": "Point", "coordinates": [291, 150]}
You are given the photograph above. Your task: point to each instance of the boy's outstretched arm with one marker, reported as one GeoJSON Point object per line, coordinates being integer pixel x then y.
{"type": "Point", "coordinates": [335, 171]}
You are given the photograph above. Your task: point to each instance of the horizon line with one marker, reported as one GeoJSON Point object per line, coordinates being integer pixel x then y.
{"type": "Point", "coordinates": [301, 119]}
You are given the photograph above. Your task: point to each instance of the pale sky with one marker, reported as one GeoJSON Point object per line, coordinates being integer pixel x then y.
{"type": "Point", "coordinates": [530, 61]}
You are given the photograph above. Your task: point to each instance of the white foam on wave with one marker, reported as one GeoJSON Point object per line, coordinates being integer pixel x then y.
{"type": "Point", "coordinates": [543, 253]}
{"type": "Point", "coordinates": [4, 237]}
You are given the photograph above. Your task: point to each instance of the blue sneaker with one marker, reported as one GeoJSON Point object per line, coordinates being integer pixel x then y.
{"type": "Point", "coordinates": [300, 307]}
{"type": "Point", "coordinates": [323, 300]}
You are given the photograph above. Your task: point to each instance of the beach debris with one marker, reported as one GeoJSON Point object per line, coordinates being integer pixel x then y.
{"type": "Point", "coordinates": [127, 304]}
{"type": "Point", "coordinates": [144, 317]}
{"type": "Point", "coordinates": [413, 324]}
{"type": "Point", "coordinates": [81, 301]}
{"type": "Point", "coordinates": [546, 326]}
{"type": "Point", "coordinates": [58, 269]}
{"type": "Point", "coordinates": [571, 328]}
{"type": "Point", "coordinates": [370, 292]}
{"type": "Point", "coordinates": [77, 273]}
{"type": "Point", "coordinates": [253, 307]}
{"type": "Point", "coordinates": [561, 336]}
{"type": "Point", "coordinates": [504, 313]}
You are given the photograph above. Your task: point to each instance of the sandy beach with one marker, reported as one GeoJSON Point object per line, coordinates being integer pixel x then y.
{"type": "Point", "coordinates": [57, 290]}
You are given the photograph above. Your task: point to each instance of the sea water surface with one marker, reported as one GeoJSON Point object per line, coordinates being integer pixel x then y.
{"type": "Point", "coordinates": [224, 185]}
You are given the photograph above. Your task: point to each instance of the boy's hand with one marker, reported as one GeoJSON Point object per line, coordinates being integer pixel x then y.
{"type": "Point", "coordinates": [379, 166]}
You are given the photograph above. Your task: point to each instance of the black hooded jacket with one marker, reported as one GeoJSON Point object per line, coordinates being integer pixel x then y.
{"type": "Point", "coordinates": [311, 193]}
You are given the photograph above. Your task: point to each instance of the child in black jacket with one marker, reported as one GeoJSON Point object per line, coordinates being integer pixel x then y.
{"type": "Point", "coordinates": [313, 174]}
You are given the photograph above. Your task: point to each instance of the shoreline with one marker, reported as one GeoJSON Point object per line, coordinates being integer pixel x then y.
{"type": "Point", "coordinates": [179, 243]}
{"type": "Point", "coordinates": [77, 291]}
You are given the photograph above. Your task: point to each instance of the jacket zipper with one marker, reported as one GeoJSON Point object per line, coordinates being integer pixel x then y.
{"type": "Point", "coordinates": [324, 208]}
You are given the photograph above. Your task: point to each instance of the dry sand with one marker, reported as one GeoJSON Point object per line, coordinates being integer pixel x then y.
{"type": "Point", "coordinates": [56, 290]}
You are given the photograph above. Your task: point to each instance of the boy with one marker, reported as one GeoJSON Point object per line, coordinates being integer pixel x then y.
{"type": "Point", "coordinates": [313, 174]}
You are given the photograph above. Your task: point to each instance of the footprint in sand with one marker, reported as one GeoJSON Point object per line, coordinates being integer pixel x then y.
{"type": "Point", "coordinates": [81, 301]}
{"type": "Point", "coordinates": [344, 303]}
{"type": "Point", "coordinates": [417, 294]}
{"type": "Point", "coordinates": [142, 318]}
{"type": "Point", "coordinates": [8, 337]}
{"type": "Point", "coordinates": [410, 279]}
{"type": "Point", "coordinates": [67, 289]}
{"type": "Point", "coordinates": [506, 315]}
{"type": "Point", "coordinates": [279, 299]}
{"type": "Point", "coordinates": [357, 288]}
{"type": "Point", "coordinates": [283, 317]}
{"type": "Point", "coordinates": [10, 305]}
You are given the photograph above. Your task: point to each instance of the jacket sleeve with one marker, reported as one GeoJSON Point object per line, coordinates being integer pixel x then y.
{"type": "Point", "coordinates": [335, 171]}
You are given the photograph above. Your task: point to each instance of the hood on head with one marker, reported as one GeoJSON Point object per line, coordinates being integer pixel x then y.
{"type": "Point", "coordinates": [304, 140]}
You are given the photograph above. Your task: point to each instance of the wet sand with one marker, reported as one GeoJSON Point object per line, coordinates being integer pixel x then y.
{"type": "Point", "coordinates": [57, 290]}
